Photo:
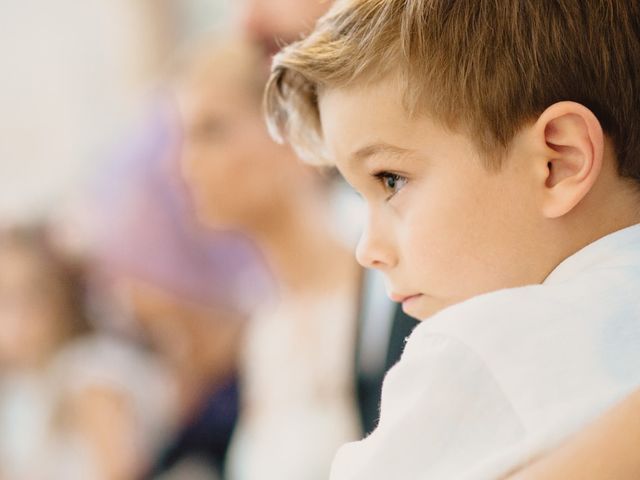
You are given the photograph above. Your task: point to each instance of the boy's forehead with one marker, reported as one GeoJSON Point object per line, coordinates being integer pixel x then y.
{"type": "Point", "coordinates": [360, 124]}
{"type": "Point", "coordinates": [356, 119]}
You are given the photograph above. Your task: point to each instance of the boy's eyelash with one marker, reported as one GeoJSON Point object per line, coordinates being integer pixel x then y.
{"type": "Point", "coordinates": [383, 175]}
{"type": "Point", "coordinates": [380, 176]}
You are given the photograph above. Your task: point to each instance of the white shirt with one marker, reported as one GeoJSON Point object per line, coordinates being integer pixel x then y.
{"type": "Point", "coordinates": [490, 383]}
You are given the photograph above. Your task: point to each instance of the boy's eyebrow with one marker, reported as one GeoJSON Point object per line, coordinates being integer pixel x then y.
{"type": "Point", "coordinates": [377, 149]}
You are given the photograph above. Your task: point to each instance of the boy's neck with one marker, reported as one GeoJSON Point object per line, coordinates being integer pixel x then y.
{"type": "Point", "coordinates": [612, 205]}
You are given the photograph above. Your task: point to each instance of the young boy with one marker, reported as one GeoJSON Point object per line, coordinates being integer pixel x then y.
{"type": "Point", "coordinates": [497, 145]}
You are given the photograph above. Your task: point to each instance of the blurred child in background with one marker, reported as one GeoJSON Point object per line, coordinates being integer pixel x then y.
{"type": "Point", "coordinates": [40, 310]}
{"type": "Point", "coordinates": [298, 401]}
{"type": "Point", "coordinates": [73, 401]}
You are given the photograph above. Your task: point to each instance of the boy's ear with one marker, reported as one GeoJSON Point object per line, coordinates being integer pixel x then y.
{"type": "Point", "coordinates": [574, 149]}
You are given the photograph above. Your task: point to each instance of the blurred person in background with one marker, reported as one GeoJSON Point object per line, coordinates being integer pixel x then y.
{"type": "Point", "coordinates": [382, 325]}
{"type": "Point", "coordinates": [40, 310]}
{"type": "Point", "coordinates": [113, 410]}
{"type": "Point", "coordinates": [43, 321]}
{"type": "Point", "coordinates": [607, 449]}
{"type": "Point", "coordinates": [187, 290]}
{"type": "Point", "coordinates": [297, 391]}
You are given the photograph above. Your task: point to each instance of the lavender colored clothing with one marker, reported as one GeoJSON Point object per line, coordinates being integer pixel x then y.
{"type": "Point", "coordinates": [145, 227]}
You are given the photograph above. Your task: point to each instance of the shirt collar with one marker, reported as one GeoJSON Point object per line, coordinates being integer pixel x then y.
{"type": "Point", "coordinates": [612, 247]}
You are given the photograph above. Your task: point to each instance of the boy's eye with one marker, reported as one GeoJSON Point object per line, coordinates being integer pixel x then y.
{"type": "Point", "coordinates": [391, 182]}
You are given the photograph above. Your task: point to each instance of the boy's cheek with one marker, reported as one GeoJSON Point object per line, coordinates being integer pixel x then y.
{"type": "Point", "coordinates": [437, 262]}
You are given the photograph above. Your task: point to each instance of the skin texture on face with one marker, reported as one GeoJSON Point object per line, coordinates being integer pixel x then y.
{"type": "Point", "coordinates": [440, 225]}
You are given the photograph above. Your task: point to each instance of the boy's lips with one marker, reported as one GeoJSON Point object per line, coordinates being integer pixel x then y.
{"type": "Point", "coordinates": [400, 298]}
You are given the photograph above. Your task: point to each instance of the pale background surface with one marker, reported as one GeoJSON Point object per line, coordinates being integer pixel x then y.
{"type": "Point", "coordinates": [75, 73]}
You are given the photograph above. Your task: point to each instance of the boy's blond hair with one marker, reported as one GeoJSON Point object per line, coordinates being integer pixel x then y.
{"type": "Point", "coordinates": [483, 67]}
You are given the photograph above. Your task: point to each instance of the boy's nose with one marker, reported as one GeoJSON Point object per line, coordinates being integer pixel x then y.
{"type": "Point", "coordinates": [374, 252]}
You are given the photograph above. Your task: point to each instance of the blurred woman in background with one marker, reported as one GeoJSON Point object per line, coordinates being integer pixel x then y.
{"type": "Point", "coordinates": [297, 398]}
{"type": "Point", "coordinates": [185, 290]}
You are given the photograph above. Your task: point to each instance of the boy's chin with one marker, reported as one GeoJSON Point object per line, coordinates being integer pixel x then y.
{"type": "Point", "coordinates": [423, 306]}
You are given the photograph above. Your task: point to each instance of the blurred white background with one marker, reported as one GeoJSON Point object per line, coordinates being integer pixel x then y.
{"type": "Point", "coordinates": [75, 73]}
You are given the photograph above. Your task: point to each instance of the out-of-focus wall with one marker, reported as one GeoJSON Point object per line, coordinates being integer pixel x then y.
{"type": "Point", "coordinates": [74, 75]}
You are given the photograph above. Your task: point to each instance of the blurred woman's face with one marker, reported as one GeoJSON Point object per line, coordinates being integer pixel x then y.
{"type": "Point", "coordinates": [236, 174]}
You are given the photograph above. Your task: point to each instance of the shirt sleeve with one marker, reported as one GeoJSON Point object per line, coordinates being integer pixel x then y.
{"type": "Point", "coordinates": [442, 413]}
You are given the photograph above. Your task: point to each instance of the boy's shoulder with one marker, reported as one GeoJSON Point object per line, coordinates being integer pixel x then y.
{"type": "Point", "coordinates": [594, 287]}
{"type": "Point", "coordinates": [546, 344]}
{"type": "Point", "coordinates": [464, 391]}
{"type": "Point", "coordinates": [493, 381]}
{"type": "Point", "coordinates": [496, 316]}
